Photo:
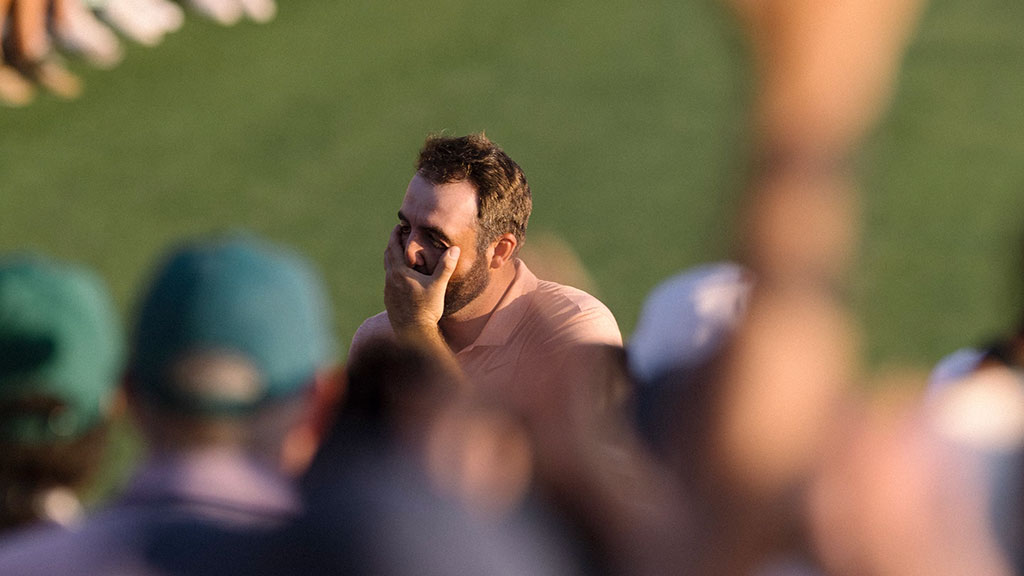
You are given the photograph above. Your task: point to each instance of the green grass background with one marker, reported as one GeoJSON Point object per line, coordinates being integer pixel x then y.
{"type": "Point", "coordinates": [629, 120]}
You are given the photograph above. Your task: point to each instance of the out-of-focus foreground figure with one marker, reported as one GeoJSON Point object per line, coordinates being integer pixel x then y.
{"type": "Point", "coordinates": [230, 369]}
{"type": "Point", "coordinates": [978, 396]}
{"type": "Point", "coordinates": [32, 32]}
{"type": "Point", "coordinates": [60, 359]}
{"type": "Point", "coordinates": [780, 413]}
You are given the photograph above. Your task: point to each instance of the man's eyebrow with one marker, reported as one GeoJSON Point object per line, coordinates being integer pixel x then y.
{"type": "Point", "coordinates": [437, 232]}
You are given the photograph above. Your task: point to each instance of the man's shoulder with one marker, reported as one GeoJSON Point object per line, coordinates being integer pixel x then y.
{"type": "Point", "coordinates": [87, 547]}
{"type": "Point", "coordinates": [26, 547]}
{"type": "Point", "coordinates": [561, 299]}
{"type": "Point", "coordinates": [131, 538]}
{"type": "Point", "coordinates": [561, 295]}
{"type": "Point", "coordinates": [374, 327]}
{"type": "Point", "coordinates": [574, 313]}
{"type": "Point", "coordinates": [954, 367]}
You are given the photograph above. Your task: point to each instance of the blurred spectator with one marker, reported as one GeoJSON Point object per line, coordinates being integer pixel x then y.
{"type": "Point", "coordinates": [79, 33]}
{"type": "Point", "coordinates": [30, 33]}
{"type": "Point", "coordinates": [1006, 352]}
{"type": "Point", "coordinates": [388, 492]}
{"type": "Point", "coordinates": [28, 56]}
{"type": "Point", "coordinates": [229, 12]}
{"type": "Point", "coordinates": [978, 395]}
{"type": "Point", "coordinates": [685, 321]}
{"type": "Point", "coordinates": [32, 30]}
{"type": "Point", "coordinates": [230, 369]}
{"type": "Point", "coordinates": [60, 358]}
{"type": "Point", "coordinates": [620, 509]}
{"type": "Point", "coordinates": [770, 408]}
{"type": "Point", "coordinates": [142, 21]}
{"type": "Point", "coordinates": [896, 495]}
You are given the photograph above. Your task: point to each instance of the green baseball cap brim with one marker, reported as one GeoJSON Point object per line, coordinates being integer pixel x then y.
{"type": "Point", "coordinates": [239, 296]}
{"type": "Point", "coordinates": [61, 340]}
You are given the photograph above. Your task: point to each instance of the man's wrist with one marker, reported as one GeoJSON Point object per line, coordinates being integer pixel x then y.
{"type": "Point", "coordinates": [421, 332]}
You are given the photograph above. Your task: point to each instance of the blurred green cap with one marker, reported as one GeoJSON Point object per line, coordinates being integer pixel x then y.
{"type": "Point", "coordinates": [60, 339]}
{"type": "Point", "coordinates": [237, 297]}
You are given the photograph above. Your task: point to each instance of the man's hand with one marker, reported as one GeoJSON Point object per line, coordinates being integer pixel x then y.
{"type": "Point", "coordinates": [415, 301]}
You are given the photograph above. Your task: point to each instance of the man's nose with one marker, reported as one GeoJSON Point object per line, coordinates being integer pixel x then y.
{"type": "Point", "coordinates": [414, 253]}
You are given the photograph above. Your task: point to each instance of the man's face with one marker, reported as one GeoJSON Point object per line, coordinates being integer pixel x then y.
{"type": "Point", "coordinates": [435, 217]}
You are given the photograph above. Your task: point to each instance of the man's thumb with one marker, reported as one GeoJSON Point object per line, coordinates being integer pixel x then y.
{"type": "Point", "coordinates": [451, 258]}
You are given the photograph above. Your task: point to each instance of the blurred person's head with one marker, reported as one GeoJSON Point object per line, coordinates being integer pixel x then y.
{"type": "Point", "coordinates": [401, 399]}
{"type": "Point", "coordinates": [396, 389]}
{"type": "Point", "coordinates": [60, 356]}
{"type": "Point", "coordinates": [900, 491]}
{"type": "Point", "coordinates": [233, 348]}
{"type": "Point", "coordinates": [982, 415]}
{"type": "Point", "coordinates": [685, 321]}
{"type": "Point", "coordinates": [1005, 351]}
{"type": "Point", "coordinates": [411, 473]}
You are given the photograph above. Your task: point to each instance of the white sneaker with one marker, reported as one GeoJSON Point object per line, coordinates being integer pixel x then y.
{"type": "Point", "coordinates": [132, 19]}
{"type": "Point", "coordinates": [168, 13]}
{"type": "Point", "coordinates": [79, 33]}
{"type": "Point", "coordinates": [15, 90]}
{"type": "Point", "coordinates": [261, 11]}
{"type": "Point", "coordinates": [224, 12]}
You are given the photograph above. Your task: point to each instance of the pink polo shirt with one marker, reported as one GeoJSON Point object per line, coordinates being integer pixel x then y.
{"type": "Point", "coordinates": [527, 336]}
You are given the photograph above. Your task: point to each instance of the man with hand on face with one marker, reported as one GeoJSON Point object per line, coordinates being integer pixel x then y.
{"type": "Point", "coordinates": [454, 282]}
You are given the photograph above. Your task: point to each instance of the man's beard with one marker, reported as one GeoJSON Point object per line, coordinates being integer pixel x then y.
{"type": "Point", "coordinates": [464, 290]}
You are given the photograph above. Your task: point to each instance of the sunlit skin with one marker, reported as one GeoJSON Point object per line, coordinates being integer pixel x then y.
{"type": "Point", "coordinates": [424, 245]}
{"type": "Point", "coordinates": [434, 218]}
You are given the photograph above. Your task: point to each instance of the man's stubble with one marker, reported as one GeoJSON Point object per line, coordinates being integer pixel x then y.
{"type": "Point", "coordinates": [466, 289]}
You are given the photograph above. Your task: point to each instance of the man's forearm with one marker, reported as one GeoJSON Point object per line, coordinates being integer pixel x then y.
{"type": "Point", "coordinates": [430, 338]}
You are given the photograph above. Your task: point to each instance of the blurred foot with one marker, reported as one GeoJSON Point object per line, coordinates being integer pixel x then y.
{"type": "Point", "coordinates": [145, 22]}
{"type": "Point", "coordinates": [79, 33]}
{"type": "Point", "coordinates": [15, 89]}
{"type": "Point", "coordinates": [168, 14]}
{"type": "Point", "coordinates": [261, 11]}
{"type": "Point", "coordinates": [51, 74]}
{"type": "Point", "coordinates": [224, 12]}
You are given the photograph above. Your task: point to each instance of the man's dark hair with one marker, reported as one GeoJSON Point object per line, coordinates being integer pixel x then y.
{"type": "Point", "coordinates": [391, 377]}
{"type": "Point", "coordinates": [502, 193]}
{"type": "Point", "coordinates": [28, 471]}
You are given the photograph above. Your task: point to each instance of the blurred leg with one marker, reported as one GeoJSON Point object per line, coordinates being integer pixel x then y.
{"type": "Point", "coordinates": [28, 24]}
{"type": "Point", "coordinates": [824, 73]}
{"type": "Point", "coordinates": [34, 54]}
{"type": "Point", "coordinates": [15, 90]}
{"type": "Point", "coordinates": [223, 12]}
{"type": "Point", "coordinates": [79, 33]}
{"type": "Point", "coordinates": [261, 11]}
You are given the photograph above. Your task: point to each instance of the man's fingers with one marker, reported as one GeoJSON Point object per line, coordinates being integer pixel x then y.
{"type": "Point", "coordinates": [447, 265]}
{"type": "Point", "coordinates": [394, 248]}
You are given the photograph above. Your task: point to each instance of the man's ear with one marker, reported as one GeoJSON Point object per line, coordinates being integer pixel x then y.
{"type": "Point", "coordinates": [328, 389]}
{"type": "Point", "coordinates": [130, 400]}
{"type": "Point", "coordinates": [322, 401]}
{"type": "Point", "coordinates": [128, 392]}
{"type": "Point", "coordinates": [504, 250]}
{"type": "Point", "coordinates": [118, 406]}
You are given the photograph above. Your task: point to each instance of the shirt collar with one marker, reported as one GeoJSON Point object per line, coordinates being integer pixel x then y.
{"type": "Point", "coordinates": [226, 477]}
{"type": "Point", "coordinates": [509, 312]}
